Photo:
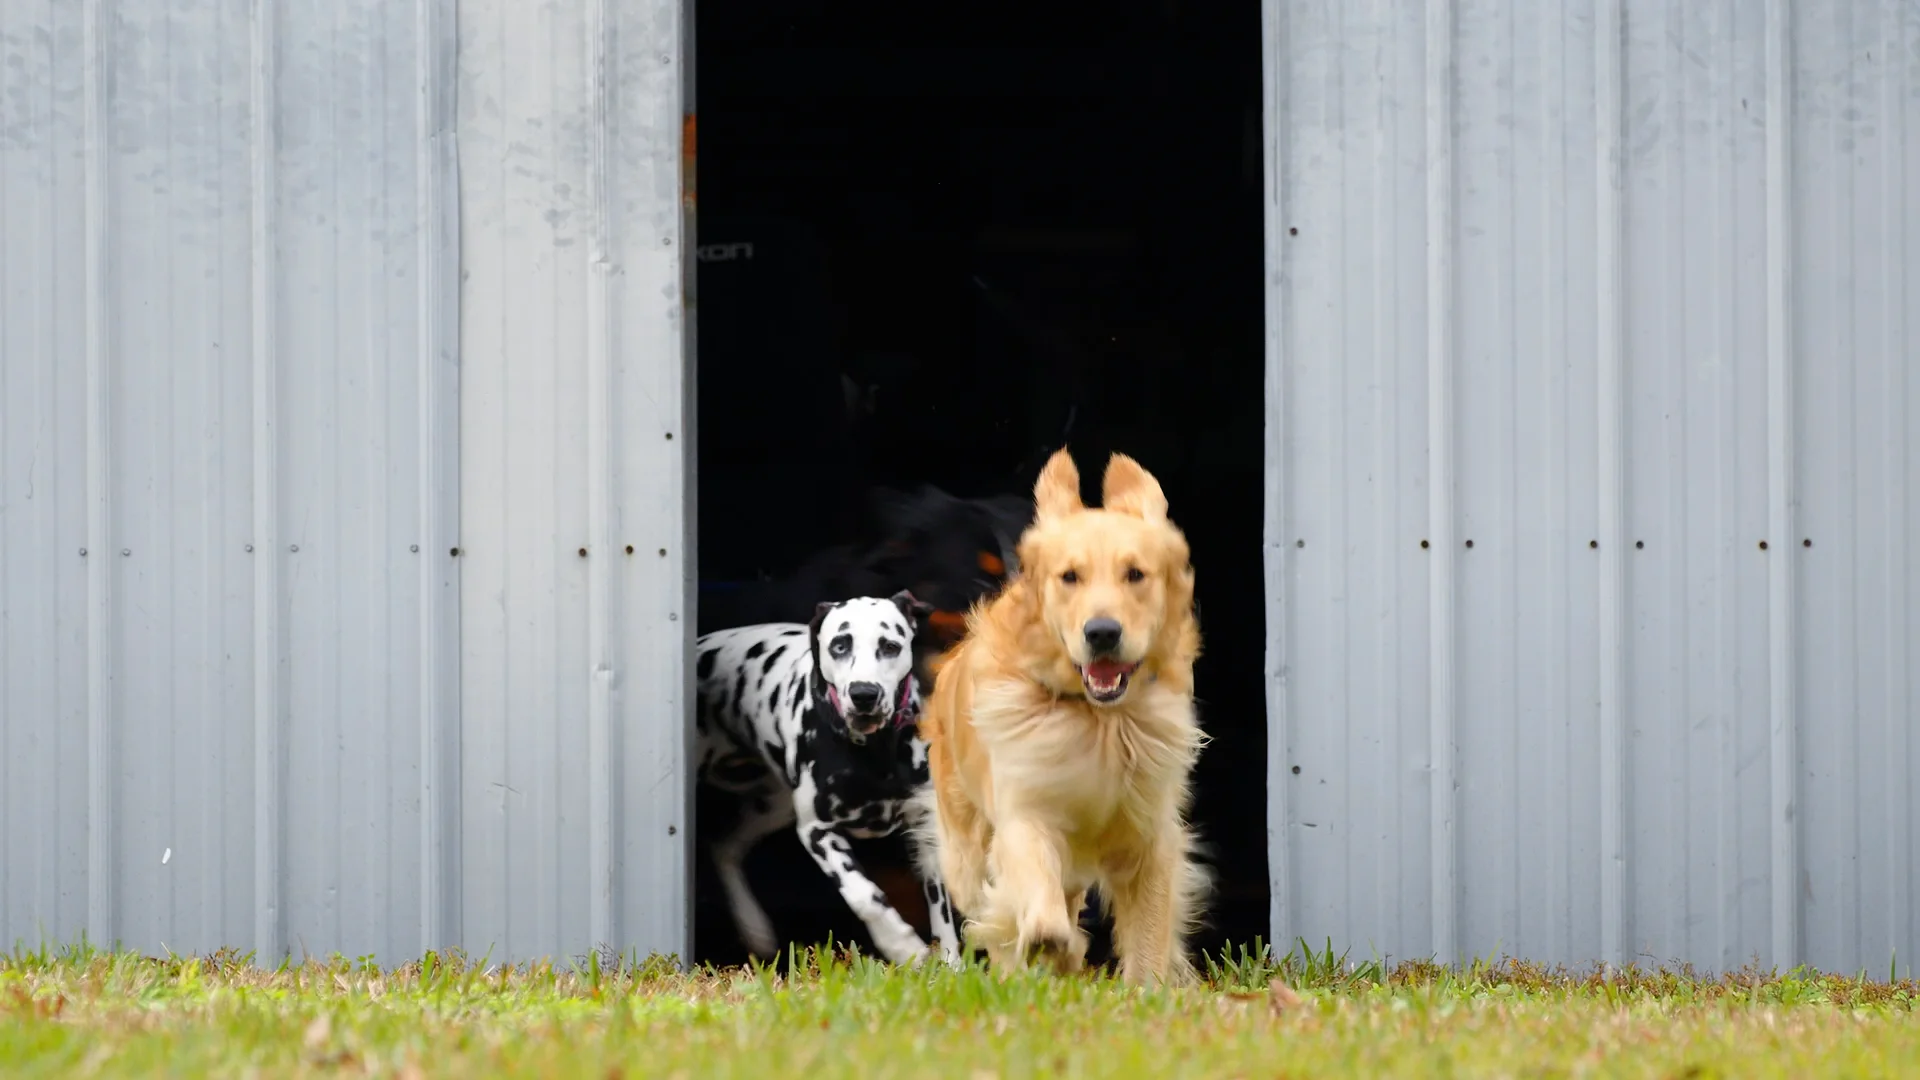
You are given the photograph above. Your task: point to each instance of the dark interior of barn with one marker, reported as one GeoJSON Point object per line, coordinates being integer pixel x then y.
{"type": "Point", "coordinates": [936, 244]}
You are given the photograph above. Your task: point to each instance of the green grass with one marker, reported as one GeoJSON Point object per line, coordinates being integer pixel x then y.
{"type": "Point", "coordinates": [1308, 1014]}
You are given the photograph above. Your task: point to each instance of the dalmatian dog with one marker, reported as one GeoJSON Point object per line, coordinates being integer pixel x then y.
{"type": "Point", "coordinates": [814, 726]}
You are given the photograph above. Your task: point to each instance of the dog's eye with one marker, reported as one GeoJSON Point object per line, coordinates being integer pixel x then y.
{"type": "Point", "coordinates": [1135, 574]}
{"type": "Point", "coordinates": [841, 647]}
{"type": "Point", "coordinates": [1070, 577]}
{"type": "Point", "coordinates": [889, 649]}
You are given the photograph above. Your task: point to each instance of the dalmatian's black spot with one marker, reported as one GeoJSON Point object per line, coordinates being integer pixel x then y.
{"type": "Point", "coordinates": [827, 773]}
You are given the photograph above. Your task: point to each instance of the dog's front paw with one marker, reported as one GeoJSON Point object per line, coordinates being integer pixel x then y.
{"type": "Point", "coordinates": [1063, 949]}
{"type": "Point", "coordinates": [1054, 952]}
{"type": "Point", "coordinates": [904, 949]}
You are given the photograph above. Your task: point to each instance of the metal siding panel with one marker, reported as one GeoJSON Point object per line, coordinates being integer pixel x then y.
{"type": "Point", "coordinates": [1556, 570]}
{"type": "Point", "coordinates": [1485, 552]}
{"type": "Point", "coordinates": [523, 99]}
{"type": "Point", "coordinates": [652, 462]}
{"type": "Point", "coordinates": [99, 616]}
{"type": "Point", "coordinates": [1746, 830]}
{"type": "Point", "coordinates": [1372, 540]}
{"type": "Point", "coordinates": [1348, 375]}
{"type": "Point", "coordinates": [1314, 678]}
{"type": "Point", "coordinates": [484, 454]}
{"type": "Point", "coordinates": [1443, 439]}
{"type": "Point", "coordinates": [1869, 479]}
{"type": "Point", "coordinates": [1723, 341]}
{"type": "Point", "coordinates": [43, 490]}
{"type": "Point", "coordinates": [1528, 407]}
{"type": "Point", "coordinates": [1276, 73]}
{"type": "Point", "coordinates": [157, 284]}
{"type": "Point", "coordinates": [1899, 158]}
{"type": "Point", "coordinates": [345, 355]}
{"type": "Point", "coordinates": [174, 169]}
{"type": "Point", "coordinates": [269, 638]}
{"type": "Point", "coordinates": [1849, 345]}
{"type": "Point", "coordinates": [1696, 401]}
{"type": "Point", "coordinates": [1654, 460]}
{"type": "Point", "coordinates": [1611, 149]}
{"type": "Point", "coordinates": [1310, 680]}
{"type": "Point", "coordinates": [565, 821]}
{"type": "Point", "coordinates": [1783, 753]}
{"type": "Point", "coordinates": [437, 240]}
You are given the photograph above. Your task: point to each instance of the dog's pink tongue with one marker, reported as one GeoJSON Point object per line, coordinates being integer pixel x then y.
{"type": "Point", "coordinates": [1106, 672]}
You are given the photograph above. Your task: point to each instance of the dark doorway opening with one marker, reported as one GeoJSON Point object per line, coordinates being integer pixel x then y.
{"type": "Point", "coordinates": [936, 243]}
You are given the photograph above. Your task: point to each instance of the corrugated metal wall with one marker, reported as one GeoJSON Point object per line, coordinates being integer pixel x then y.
{"type": "Point", "coordinates": [1573, 309]}
{"type": "Point", "coordinates": [1591, 514]}
{"type": "Point", "coordinates": [574, 799]}
{"type": "Point", "coordinates": [310, 394]}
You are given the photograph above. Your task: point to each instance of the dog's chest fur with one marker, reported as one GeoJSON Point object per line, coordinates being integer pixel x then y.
{"type": "Point", "coordinates": [865, 787]}
{"type": "Point", "coordinates": [1101, 768]}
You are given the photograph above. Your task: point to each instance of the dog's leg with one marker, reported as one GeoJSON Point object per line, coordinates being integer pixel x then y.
{"type": "Point", "coordinates": [1027, 898]}
{"type": "Point", "coordinates": [892, 935]}
{"type": "Point", "coordinates": [922, 821]}
{"type": "Point", "coordinates": [1080, 941]}
{"type": "Point", "coordinates": [961, 840]}
{"type": "Point", "coordinates": [940, 914]}
{"type": "Point", "coordinates": [1152, 908]}
{"type": "Point", "coordinates": [761, 814]}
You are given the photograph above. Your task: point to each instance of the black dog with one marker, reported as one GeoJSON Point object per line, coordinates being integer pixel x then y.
{"type": "Point", "coordinates": [948, 550]}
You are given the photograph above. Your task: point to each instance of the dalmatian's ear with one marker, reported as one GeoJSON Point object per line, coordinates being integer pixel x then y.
{"type": "Point", "coordinates": [819, 616]}
{"type": "Point", "coordinates": [913, 608]}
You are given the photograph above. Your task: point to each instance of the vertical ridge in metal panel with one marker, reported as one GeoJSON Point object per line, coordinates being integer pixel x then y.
{"type": "Point", "coordinates": [1279, 843]}
{"type": "Point", "coordinates": [1782, 727]}
{"type": "Point", "coordinates": [439, 322]}
{"type": "Point", "coordinates": [1609, 106]}
{"type": "Point", "coordinates": [690, 457]}
{"type": "Point", "coordinates": [99, 352]}
{"type": "Point", "coordinates": [1724, 259]}
{"type": "Point", "coordinates": [603, 756]}
{"type": "Point", "coordinates": [1388, 362]}
{"type": "Point", "coordinates": [268, 793]}
{"type": "Point", "coordinates": [1900, 808]}
{"type": "Point", "coordinates": [1440, 488]}
{"type": "Point", "coordinates": [1554, 338]}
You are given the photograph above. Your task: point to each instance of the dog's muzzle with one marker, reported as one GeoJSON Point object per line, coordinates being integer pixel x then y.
{"type": "Point", "coordinates": [866, 709]}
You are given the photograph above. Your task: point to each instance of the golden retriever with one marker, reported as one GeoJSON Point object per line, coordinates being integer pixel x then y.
{"type": "Point", "coordinates": [1061, 736]}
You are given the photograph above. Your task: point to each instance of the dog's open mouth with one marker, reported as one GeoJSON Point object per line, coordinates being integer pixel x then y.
{"type": "Point", "coordinates": [1106, 680]}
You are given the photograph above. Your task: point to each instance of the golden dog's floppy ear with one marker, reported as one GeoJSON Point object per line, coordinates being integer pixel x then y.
{"type": "Point", "coordinates": [1057, 492]}
{"type": "Point", "coordinates": [1129, 489]}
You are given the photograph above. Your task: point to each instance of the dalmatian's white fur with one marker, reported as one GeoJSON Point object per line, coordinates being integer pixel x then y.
{"type": "Point", "coordinates": [815, 726]}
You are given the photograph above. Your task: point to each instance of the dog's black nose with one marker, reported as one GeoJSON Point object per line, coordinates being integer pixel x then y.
{"type": "Point", "coordinates": [865, 695]}
{"type": "Point", "coordinates": [1103, 635]}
